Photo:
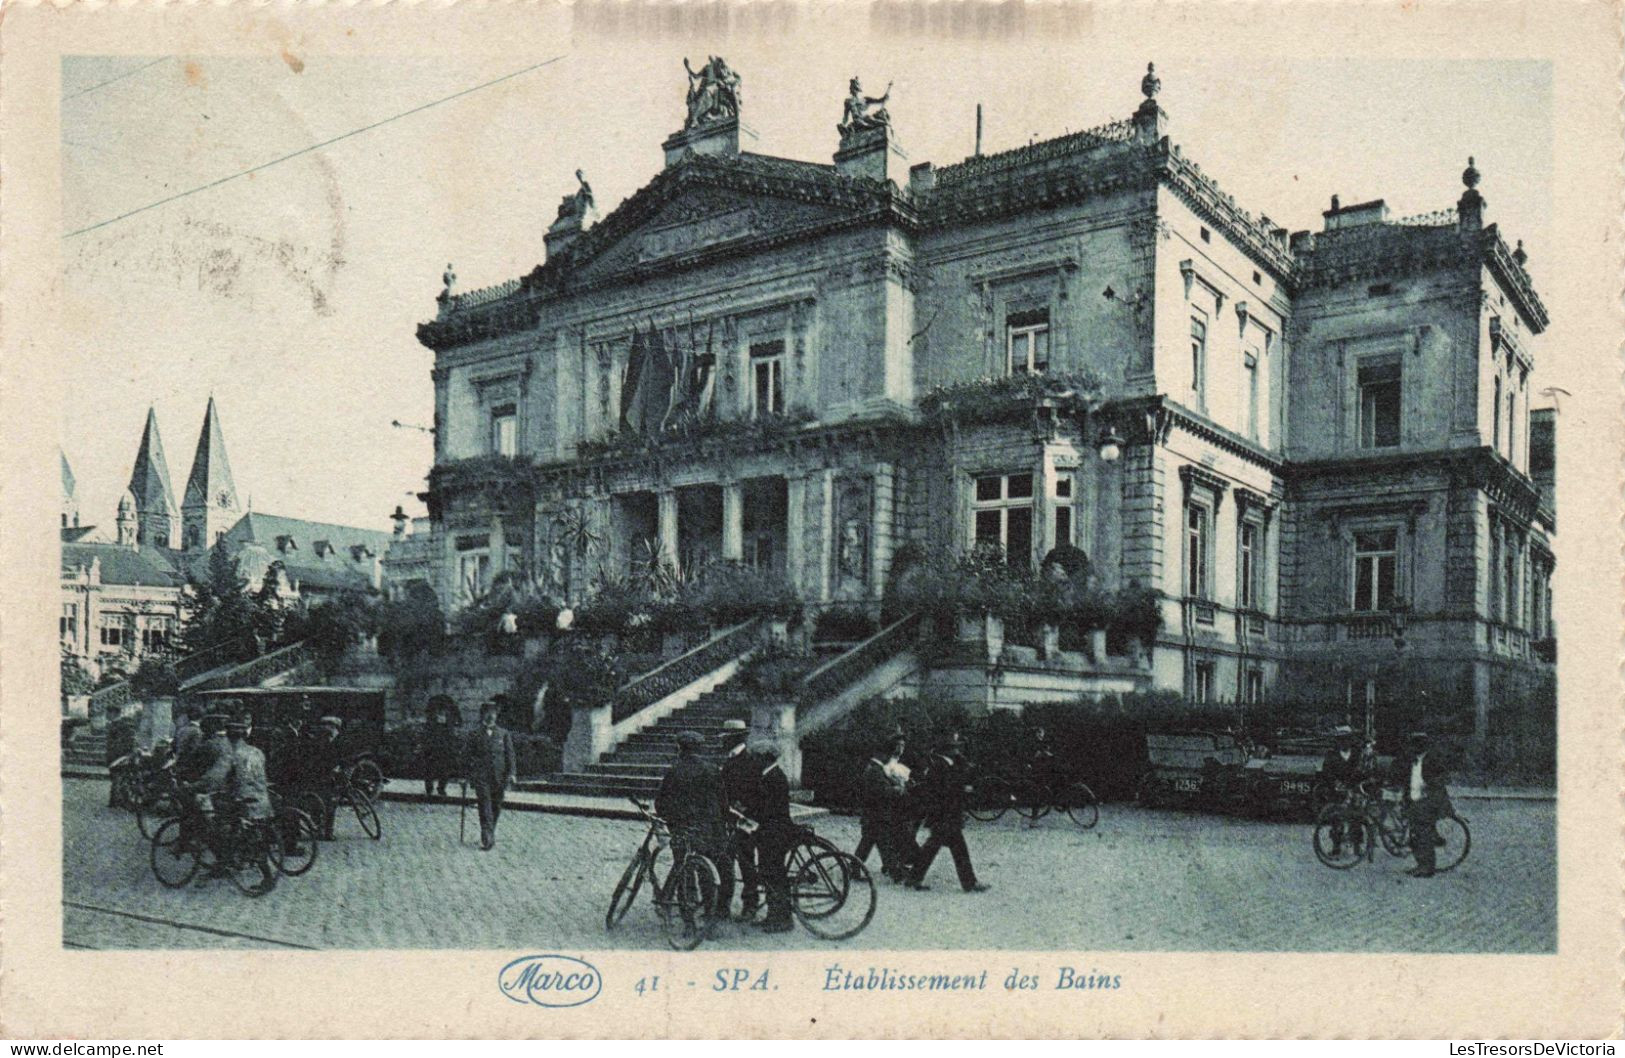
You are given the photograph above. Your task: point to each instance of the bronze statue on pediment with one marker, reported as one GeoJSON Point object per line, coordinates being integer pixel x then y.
{"type": "Point", "coordinates": [858, 116]}
{"type": "Point", "coordinates": [713, 92]}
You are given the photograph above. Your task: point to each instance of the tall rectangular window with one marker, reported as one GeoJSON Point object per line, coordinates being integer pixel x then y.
{"type": "Point", "coordinates": [1512, 422]}
{"type": "Point", "coordinates": [1509, 561]}
{"type": "Point", "coordinates": [68, 623]}
{"type": "Point", "coordinates": [1250, 371]}
{"type": "Point", "coordinates": [1063, 510]}
{"type": "Point", "coordinates": [1027, 342]}
{"type": "Point", "coordinates": [112, 631]}
{"type": "Point", "coordinates": [1254, 688]}
{"type": "Point", "coordinates": [1495, 414]}
{"type": "Point", "coordinates": [1199, 360]}
{"type": "Point", "coordinates": [504, 430]}
{"type": "Point", "coordinates": [1002, 515]}
{"type": "Point", "coordinates": [473, 575]}
{"type": "Point", "coordinates": [1379, 405]}
{"type": "Point", "coordinates": [1376, 565]}
{"type": "Point", "coordinates": [1250, 565]}
{"type": "Point", "coordinates": [1198, 541]}
{"type": "Point", "coordinates": [1202, 682]}
{"type": "Point", "coordinates": [767, 379]}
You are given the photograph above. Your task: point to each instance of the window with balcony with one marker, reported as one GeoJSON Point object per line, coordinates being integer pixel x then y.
{"type": "Point", "coordinates": [1027, 342]}
{"type": "Point", "coordinates": [1002, 515]}
{"type": "Point", "coordinates": [1379, 404]}
{"type": "Point", "coordinates": [504, 440]}
{"type": "Point", "coordinates": [767, 379]}
{"type": "Point", "coordinates": [1376, 568]}
{"type": "Point", "coordinates": [1198, 548]}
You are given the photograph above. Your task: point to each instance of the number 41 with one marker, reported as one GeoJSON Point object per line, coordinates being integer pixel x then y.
{"type": "Point", "coordinates": [647, 984]}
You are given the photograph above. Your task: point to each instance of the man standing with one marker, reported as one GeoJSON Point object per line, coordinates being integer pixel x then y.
{"type": "Point", "coordinates": [318, 760]}
{"type": "Point", "coordinates": [947, 780]}
{"type": "Point", "coordinates": [1340, 773]}
{"type": "Point", "coordinates": [739, 772]}
{"type": "Point", "coordinates": [188, 734]}
{"type": "Point", "coordinates": [769, 805]}
{"type": "Point", "coordinates": [211, 775]}
{"type": "Point", "coordinates": [121, 744]}
{"type": "Point", "coordinates": [491, 767]}
{"type": "Point", "coordinates": [690, 800]}
{"type": "Point", "coordinates": [881, 797]}
{"type": "Point", "coordinates": [440, 738]}
{"type": "Point", "coordinates": [1426, 801]}
{"type": "Point", "coordinates": [241, 776]}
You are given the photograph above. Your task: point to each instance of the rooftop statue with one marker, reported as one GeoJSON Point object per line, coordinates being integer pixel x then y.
{"type": "Point", "coordinates": [858, 115]}
{"type": "Point", "coordinates": [713, 92]}
{"type": "Point", "coordinates": [577, 203]}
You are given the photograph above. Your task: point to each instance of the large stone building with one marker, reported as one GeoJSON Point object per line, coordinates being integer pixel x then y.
{"type": "Point", "coordinates": [1317, 448]}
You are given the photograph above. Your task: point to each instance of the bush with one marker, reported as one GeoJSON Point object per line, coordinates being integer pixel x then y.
{"type": "Point", "coordinates": [155, 679]}
{"type": "Point", "coordinates": [776, 671]}
{"type": "Point", "coordinates": [731, 593]}
{"type": "Point", "coordinates": [844, 624]}
{"type": "Point", "coordinates": [75, 679]}
{"type": "Point", "coordinates": [413, 627]}
{"type": "Point", "coordinates": [330, 628]}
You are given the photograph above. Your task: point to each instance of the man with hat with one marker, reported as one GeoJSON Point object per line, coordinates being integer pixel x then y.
{"type": "Point", "coordinates": [881, 799]}
{"type": "Point", "coordinates": [946, 782]}
{"type": "Point", "coordinates": [187, 732]}
{"type": "Point", "coordinates": [208, 776]}
{"type": "Point", "coordinates": [1340, 772]}
{"type": "Point", "coordinates": [1426, 800]}
{"type": "Point", "coordinates": [491, 767]}
{"type": "Point", "coordinates": [440, 739]}
{"type": "Point", "coordinates": [767, 802]}
{"type": "Point", "coordinates": [690, 800]}
{"type": "Point", "coordinates": [738, 773]}
{"type": "Point", "coordinates": [318, 761]}
{"type": "Point", "coordinates": [240, 776]}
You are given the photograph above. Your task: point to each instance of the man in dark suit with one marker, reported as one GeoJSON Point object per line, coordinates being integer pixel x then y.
{"type": "Point", "coordinates": [491, 767]}
{"type": "Point", "coordinates": [1340, 772]}
{"type": "Point", "coordinates": [881, 798]}
{"type": "Point", "coordinates": [768, 804]}
{"type": "Point", "coordinates": [947, 780]}
{"type": "Point", "coordinates": [738, 774]}
{"type": "Point", "coordinates": [1427, 800]}
{"type": "Point", "coordinates": [440, 738]}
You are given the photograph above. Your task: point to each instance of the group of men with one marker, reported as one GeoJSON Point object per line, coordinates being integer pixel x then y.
{"type": "Point", "coordinates": [736, 814]}
{"type": "Point", "coordinates": [1421, 774]}
{"type": "Point", "coordinates": [897, 800]}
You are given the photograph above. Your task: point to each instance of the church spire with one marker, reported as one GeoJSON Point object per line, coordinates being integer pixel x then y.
{"type": "Point", "coordinates": [155, 510]}
{"type": "Point", "coordinates": [210, 505]}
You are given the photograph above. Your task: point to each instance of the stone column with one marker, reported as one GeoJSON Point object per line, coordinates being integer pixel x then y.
{"type": "Point", "coordinates": [826, 533]}
{"type": "Point", "coordinates": [880, 529]}
{"type": "Point", "coordinates": [499, 546]}
{"type": "Point", "coordinates": [733, 521]}
{"type": "Point", "coordinates": [795, 516]}
{"type": "Point", "coordinates": [1044, 503]}
{"type": "Point", "coordinates": [668, 525]}
{"type": "Point", "coordinates": [589, 738]}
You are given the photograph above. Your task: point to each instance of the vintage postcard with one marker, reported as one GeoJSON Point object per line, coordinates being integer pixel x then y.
{"type": "Point", "coordinates": [904, 519]}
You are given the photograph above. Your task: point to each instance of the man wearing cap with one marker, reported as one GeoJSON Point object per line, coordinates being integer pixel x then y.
{"type": "Point", "coordinates": [318, 760]}
{"type": "Point", "coordinates": [209, 775]}
{"type": "Point", "coordinates": [245, 782]}
{"type": "Point", "coordinates": [187, 733]}
{"type": "Point", "coordinates": [690, 800]}
{"type": "Point", "coordinates": [947, 780]}
{"type": "Point", "coordinates": [1427, 800]}
{"type": "Point", "coordinates": [440, 739]}
{"type": "Point", "coordinates": [1340, 772]}
{"type": "Point", "coordinates": [738, 772]}
{"type": "Point", "coordinates": [491, 767]}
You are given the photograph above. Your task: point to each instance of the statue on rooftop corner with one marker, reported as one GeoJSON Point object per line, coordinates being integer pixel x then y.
{"type": "Point", "coordinates": [713, 92]}
{"type": "Point", "coordinates": [858, 116]}
{"type": "Point", "coordinates": [448, 279]}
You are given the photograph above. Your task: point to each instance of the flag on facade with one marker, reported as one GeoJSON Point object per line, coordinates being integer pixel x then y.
{"type": "Point", "coordinates": [631, 409]}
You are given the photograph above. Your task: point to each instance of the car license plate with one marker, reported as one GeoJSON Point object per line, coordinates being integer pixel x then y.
{"type": "Point", "coordinates": [1187, 785]}
{"type": "Point", "coordinates": [1295, 787]}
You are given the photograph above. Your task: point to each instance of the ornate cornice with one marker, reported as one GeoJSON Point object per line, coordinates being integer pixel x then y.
{"type": "Point", "coordinates": [1511, 274]}
{"type": "Point", "coordinates": [1194, 477]}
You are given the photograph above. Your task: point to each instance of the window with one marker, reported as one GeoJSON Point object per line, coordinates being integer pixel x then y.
{"type": "Point", "coordinates": [1063, 509]}
{"type": "Point", "coordinates": [504, 430]}
{"type": "Point", "coordinates": [1495, 405]}
{"type": "Point", "coordinates": [1202, 682]}
{"type": "Point", "coordinates": [1002, 515]}
{"type": "Point", "coordinates": [767, 379]}
{"type": "Point", "coordinates": [1512, 420]}
{"type": "Point", "coordinates": [1376, 564]}
{"type": "Point", "coordinates": [1027, 342]}
{"type": "Point", "coordinates": [1199, 359]}
{"type": "Point", "coordinates": [68, 624]}
{"type": "Point", "coordinates": [112, 631]}
{"type": "Point", "coordinates": [1254, 687]}
{"type": "Point", "coordinates": [1250, 566]}
{"type": "Point", "coordinates": [1198, 540]}
{"type": "Point", "coordinates": [1379, 405]}
{"type": "Point", "coordinates": [1509, 565]}
{"type": "Point", "coordinates": [1250, 371]}
{"type": "Point", "coordinates": [1207, 236]}
{"type": "Point", "coordinates": [473, 575]}
{"type": "Point", "coordinates": [155, 636]}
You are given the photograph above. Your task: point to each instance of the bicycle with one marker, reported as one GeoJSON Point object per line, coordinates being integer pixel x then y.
{"type": "Point", "coordinates": [248, 851]}
{"type": "Point", "coordinates": [643, 866]}
{"type": "Point", "coordinates": [367, 775]}
{"type": "Point", "coordinates": [1346, 829]}
{"type": "Point", "coordinates": [1450, 831]}
{"type": "Point", "coordinates": [685, 899]}
{"type": "Point", "coordinates": [342, 792]}
{"type": "Point", "coordinates": [1035, 798]}
{"type": "Point", "coordinates": [300, 836]}
{"type": "Point", "coordinates": [161, 799]}
{"type": "Point", "coordinates": [824, 881]}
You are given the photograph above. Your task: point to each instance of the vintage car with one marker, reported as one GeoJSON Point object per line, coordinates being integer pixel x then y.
{"type": "Point", "coordinates": [1218, 772]}
{"type": "Point", "coordinates": [360, 710]}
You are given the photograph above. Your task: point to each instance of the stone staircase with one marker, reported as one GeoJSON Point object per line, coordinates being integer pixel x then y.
{"type": "Point", "coordinates": [636, 766]}
{"type": "Point", "coordinates": [87, 750]}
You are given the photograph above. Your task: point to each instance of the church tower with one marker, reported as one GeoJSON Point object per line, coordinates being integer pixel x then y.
{"type": "Point", "coordinates": [70, 495]}
{"type": "Point", "coordinates": [157, 520]}
{"type": "Point", "coordinates": [210, 505]}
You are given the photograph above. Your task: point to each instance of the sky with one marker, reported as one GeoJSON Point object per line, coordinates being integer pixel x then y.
{"type": "Point", "coordinates": [292, 293]}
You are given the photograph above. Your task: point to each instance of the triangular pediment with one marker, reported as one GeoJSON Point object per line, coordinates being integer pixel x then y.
{"type": "Point", "coordinates": [684, 215]}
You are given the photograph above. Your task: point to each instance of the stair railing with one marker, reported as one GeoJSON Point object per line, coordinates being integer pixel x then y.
{"type": "Point", "coordinates": [255, 671]}
{"type": "Point", "coordinates": [843, 670]}
{"type": "Point", "coordinates": [638, 694]}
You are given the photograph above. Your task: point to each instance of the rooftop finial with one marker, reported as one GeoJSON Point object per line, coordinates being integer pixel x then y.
{"type": "Point", "coordinates": [1469, 175]}
{"type": "Point", "coordinates": [1335, 204]}
{"type": "Point", "coordinates": [1519, 255]}
{"type": "Point", "coordinates": [1150, 84]}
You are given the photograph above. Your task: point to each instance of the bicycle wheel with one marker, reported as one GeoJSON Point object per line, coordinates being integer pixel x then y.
{"type": "Point", "coordinates": [626, 890]}
{"type": "Point", "coordinates": [173, 861]}
{"type": "Point", "coordinates": [368, 777]}
{"type": "Point", "coordinates": [256, 850]}
{"type": "Point", "coordinates": [1394, 829]}
{"type": "Point", "coordinates": [687, 912]}
{"type": "Point", "coordinates": [298, 835]}
{"type": "Point", "coordinates": [991, 800]}
{"type": "Point", "coordinates": [1080, 803]}
{"type": "Point", "coordinates": [151, 813]}
{"type": "Point", "coordinates": [1456, 840]}
{"type": "Point", "coordinates": [365, 814]}
{"type": "Point", "coordinates": [833, 896]}
{"type": "Point", "coordinates": [803, 851]}
{"type": "Point", "coordinates": [1340, 837]}
{"type": "Point", "coordinates": [310, 802]}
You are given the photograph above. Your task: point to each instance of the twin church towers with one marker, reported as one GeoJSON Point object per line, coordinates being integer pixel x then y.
{"type": "Point", "coordinates": [147, 515]}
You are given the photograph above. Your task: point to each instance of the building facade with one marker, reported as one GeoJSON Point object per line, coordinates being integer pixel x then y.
{"type": "Point", "coordinates": [1313, 447]}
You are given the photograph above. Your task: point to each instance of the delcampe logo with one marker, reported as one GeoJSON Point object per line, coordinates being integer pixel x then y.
{"type": "Point", "coordinates": [550, 981]}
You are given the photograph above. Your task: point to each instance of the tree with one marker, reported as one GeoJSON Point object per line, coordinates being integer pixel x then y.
{"type": "Point", "coordinates": [218, 610]}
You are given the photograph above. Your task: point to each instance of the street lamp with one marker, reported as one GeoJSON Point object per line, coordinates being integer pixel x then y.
{"type": "Point", "coordinates": [1111, 445]}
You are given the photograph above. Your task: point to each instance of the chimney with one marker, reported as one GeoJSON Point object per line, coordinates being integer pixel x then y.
{"type": "Point", "coordinates": [399, 518]}
{"type": "Point", "coordinates": [922, 177]}
{"type": "Point", "coordinates": [1341, 216]}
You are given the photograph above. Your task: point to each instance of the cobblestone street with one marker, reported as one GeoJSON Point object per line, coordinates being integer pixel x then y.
{"type": "Point", "coordinates": [1141, 881]}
